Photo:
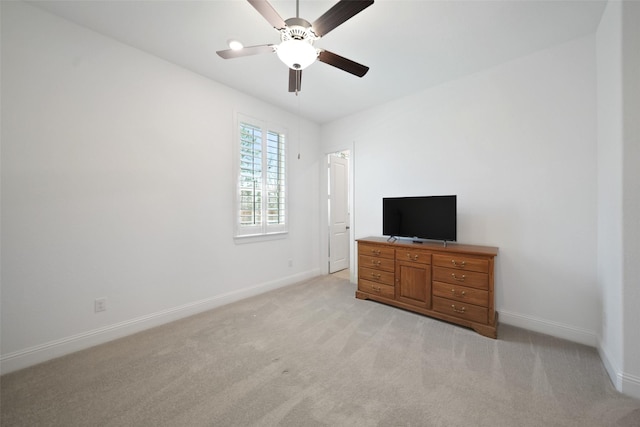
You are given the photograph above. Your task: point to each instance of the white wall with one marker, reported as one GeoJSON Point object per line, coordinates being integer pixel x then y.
{"type": "Point", "coordinates": [610, 156]}
{"type": "Point", "coordinates": [618, 58]}
{"type": "Point", "coordinates": [117, 182]}
{"type": "Point", "coordinates": [631, 203]}
{"type": "Point", "coordinates": [517, 144]}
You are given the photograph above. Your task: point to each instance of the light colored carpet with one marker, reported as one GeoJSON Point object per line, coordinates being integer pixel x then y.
{"type": "Point", "coordinates": [313, 355]}
{"type": "Point", "coordinates": [342, 274]}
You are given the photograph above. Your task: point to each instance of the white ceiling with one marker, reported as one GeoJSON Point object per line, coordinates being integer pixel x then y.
{"type": "Point", "coordinates": [410, 45]}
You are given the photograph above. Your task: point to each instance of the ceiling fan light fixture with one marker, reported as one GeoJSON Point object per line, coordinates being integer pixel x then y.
{"type": "Point", "coordinates": [297, 54]}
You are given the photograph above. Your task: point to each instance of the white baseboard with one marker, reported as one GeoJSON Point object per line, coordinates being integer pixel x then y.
{"type": "Point", "coordinates": [625, 383]}
{"type": "Point", "coordinates": [609, 366]}
{"type": "Point", "coordinates": [559, 330]}
{"type": "Point", "coordinates": [41, 353]}
{"type": "Point", "coordinates": [629, 385]}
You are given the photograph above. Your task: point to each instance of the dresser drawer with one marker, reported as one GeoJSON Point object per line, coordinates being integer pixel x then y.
{"type": "Point", "coordinates": [379, 276]}
{"type": "Point", "coordinates": [376, 263]}
{"type": "Point", "coordinates": [376, 251]}
{"type": "Point", "coordinates": [461, 293]}
{"type": "Point", "coordinates": [376, 289]}
{"type": "Point", "coordinates": [464, 278]}
{"type": "Point", "coordinates": [413, 255]}
{"type": "Point", "coordinates": [461, 310]}
{"type": "Point", "coordinates": [461, 262]}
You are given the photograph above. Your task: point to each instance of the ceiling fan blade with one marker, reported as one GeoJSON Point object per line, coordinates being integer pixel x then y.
{"type": "Point", "coordinates": [339, 13]}
{"type": "Point", "coordinates": [269, 13]}
{"type": "Point", "coordinates": [343, 63]}
{"type": "Point", "coordinates": [295, 80]}
{"type": "Point", "coordinates": [246, 51]}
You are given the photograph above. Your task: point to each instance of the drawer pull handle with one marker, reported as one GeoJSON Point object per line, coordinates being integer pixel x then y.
{"type": "Point", "coordinates": [375, 262]}
{"type": "Point", "coordinates": [375, 276]}
{"type": "Point", "coordinates": [457, 310]}
{"type": "Point", "coordinates": [414, 258]}
{"type": "Point", "coordinates": [459, 294]}
{"type": "Point", "coordinates": [375, 251]}
{"type": "Point", "coordinates": [376, 288]}
{"type": "Point", "coordinates": [460, 264]}
{"type": "Point", "coordinates": [459, 279]}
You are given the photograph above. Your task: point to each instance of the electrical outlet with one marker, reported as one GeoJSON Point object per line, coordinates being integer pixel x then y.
{"type": "Point", "coordinates": [100, 304]}
{"type": "Point", "coordinates": [290, 263]}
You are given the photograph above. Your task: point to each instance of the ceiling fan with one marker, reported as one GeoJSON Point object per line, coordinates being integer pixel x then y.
{"type": "Point", "coordinates": [297, 36]}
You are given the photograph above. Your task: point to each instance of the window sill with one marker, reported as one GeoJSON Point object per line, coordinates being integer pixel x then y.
{"type": "Point", "coordinates": [255, 238]}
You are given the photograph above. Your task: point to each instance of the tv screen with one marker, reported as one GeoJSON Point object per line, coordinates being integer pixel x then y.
{"type": "Point", "coordinates": [430, 217]}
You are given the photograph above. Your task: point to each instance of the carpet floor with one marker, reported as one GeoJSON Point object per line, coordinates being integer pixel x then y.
{"type": "Point", "coordinates": [312, 354]}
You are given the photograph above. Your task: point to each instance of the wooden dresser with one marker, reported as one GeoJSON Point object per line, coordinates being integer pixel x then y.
{"type": "Point", "coordinates": [452, 283]}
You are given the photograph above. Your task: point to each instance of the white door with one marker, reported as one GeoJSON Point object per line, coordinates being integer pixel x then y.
{"type": "Point", "coordinates": [338, 213]}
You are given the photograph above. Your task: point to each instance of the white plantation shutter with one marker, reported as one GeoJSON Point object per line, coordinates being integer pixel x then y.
{"type": "Point", "coordinates": [261, 187]}
{"type": "Point", "coordinates": [250, 179]}
{"type": "Point", "coordinates": [275, 179]}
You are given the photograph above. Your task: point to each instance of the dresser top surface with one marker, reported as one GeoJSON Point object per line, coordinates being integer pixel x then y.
{"type": "Point", "coordinates": [433, 246]}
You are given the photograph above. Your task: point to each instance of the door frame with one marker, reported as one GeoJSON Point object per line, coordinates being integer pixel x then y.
{"type": "Point", "coordinates": [339, 236]}
{"type": "Point", "coordinates": [324, 208]}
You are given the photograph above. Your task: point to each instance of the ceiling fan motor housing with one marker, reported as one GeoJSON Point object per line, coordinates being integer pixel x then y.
{"type": "Point", "coordinates": [297, 29]}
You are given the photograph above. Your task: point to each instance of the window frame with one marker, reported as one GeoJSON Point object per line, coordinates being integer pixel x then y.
{"type": "Point", "coordinates": [264, 230]}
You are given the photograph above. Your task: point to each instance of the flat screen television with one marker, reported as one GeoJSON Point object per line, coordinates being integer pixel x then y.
{"type": "Point", "coordinates": [429, 217]}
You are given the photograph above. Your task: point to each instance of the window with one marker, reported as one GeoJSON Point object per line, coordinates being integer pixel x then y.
{"type": "Point", "coordinates": [261, 179]}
